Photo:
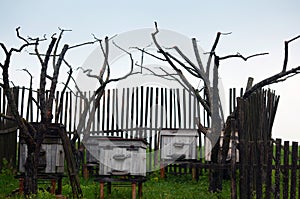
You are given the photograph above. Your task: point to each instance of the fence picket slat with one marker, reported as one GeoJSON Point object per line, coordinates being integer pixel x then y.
{"type": "Point", "coordinates": [285, 187]}
{"type": "Point", "coordinates": [294, 170]}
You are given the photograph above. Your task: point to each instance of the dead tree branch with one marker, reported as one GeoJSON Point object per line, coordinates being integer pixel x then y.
{"type": "Point", "coordinates": [238, 55]}
{"type": "Point", "coordinates": [212, 51]}
{"type": "Point", "coordinates": [286, 52]}
{"type": "Point", "coordinates": [273, 79]}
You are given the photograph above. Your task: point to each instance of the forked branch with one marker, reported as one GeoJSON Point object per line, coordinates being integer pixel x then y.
{"type": "Point", "coordinates": [286, 52]}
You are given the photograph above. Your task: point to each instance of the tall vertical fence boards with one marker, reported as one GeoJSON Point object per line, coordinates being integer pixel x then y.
{"type": "Point", "coordinates": [260, 167]}
{"type": "Point", "coordinates": [8, 134]}
{"type": "Point", "coordinates": [137, 112]}
{"type": "Point", "coordinates": [279, 176]}
{"type": "Point", "coordinates": [267, 168]}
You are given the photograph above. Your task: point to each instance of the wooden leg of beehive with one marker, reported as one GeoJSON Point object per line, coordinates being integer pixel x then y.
{"type": "Point", "coordinates": [162, 170]}
{"type": "Point", "coordinates": [133, 194]}
{"type": "Point", "coordinates": [101, 190]}
{"type": "Point", "coordinates": [194, 172]}
{"type": "Point", "coordinates": [85, 172]}
{"type": "Point", "coordinates": [53, 185]}
{"type": "Point", "coordinates": [140, 190]}
{"type": "Point", "coordinates": [109, 188]}
{"type": "Point", "coordinates": [21, 186]}
{"type": "Point", "coordinates": [59, 186]}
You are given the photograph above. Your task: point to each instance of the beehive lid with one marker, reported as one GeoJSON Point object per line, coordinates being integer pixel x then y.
{"type": "Point", "coordinates": [117, 142]}
{"type": "Point", "coordinates": [179, 132]}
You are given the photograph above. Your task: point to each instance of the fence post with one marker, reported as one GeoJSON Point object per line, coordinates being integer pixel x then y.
{"type": "Point", "coordinates": [294, 170]}
{"type": "Point", "coordinates": [233, 160]}
{"type": "Point", "coordinates": [286, 170]}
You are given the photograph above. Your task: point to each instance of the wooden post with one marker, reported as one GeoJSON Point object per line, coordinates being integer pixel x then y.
{"type": "Point", "coordinates": [194, 172]}
{"type": "Point", "coordinates": [294, 170]}
{"type": "Point", "coordinates": [21, 186]}
{"type": "Point", "coordinates": [109, 188]}
{"type": "Point", "coordinates": [233, 161]}
{"type": "Point", "coordinates": [140, 187]}
{"type": "Point", "coordinates": [162, 169]}
{"type": "Point", "coordinates": [269, 170]}
{"type": "Point", "coordinates": [59, 185]}
{"type": "Point", "coordinates": [286, 170]}
{"type": "Point", "coordinates": [133, 194]}
{"type": "Point", "coordinates": [277, 169]}
{"type": "Point", "coordinates": [101, 190]}
{"type": "Point", "coordinates": [53, 185]}
{"type": "Point", "coordinates": [85, 171]}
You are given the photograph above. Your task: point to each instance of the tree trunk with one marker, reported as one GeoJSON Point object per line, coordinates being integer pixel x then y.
{"type": "Point", "coordinates": [31, 172]}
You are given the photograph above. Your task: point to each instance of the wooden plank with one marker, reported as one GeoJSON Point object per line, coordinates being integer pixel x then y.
{"type": "Point", "coordinates": [234, 98]}
{"type": "Point", "coordinates": [233, 187]}
{"type": "Point", "coordinates": [195, 111]}
{"type": "Point", "coordinates": [166, 107]}
{"type": "Point", "coordinates": [141, 125]}
{"type": "Point", "coordinates": [178, 107]}
{"type": "Point", "coordinates": [171, 108]}
{"type": "Point", "coordinates": [92, 115]}
{"type": "Point", "coordinates": [136, 112]}
{"type": "Point", "coordinates": [269, 175]}
{"type": "Point", "coordinates": [190, 110]}
{"type": "Point", "coordinates": [230, 100]}
{"type": "Point", "coordinates": [62, 108]}
{"type": "Point", "coordinates": [66, 109]}
{"type": "Point", "coordinates": [259, 171]}
{"type": "Point", "coordinates": [98, 115]}
{"type": "Point", "coordinates": [56, 117]}
{"type": "Point", "coordinates": [81, 106]}
{"type": "Point", "coordinates": [132, 112]}
{"type": "Point", "coordinates": [286, 170]}
{"type": "Point", "coordinates": [277, 169]}
{"type": "Point", "coordinates": [117, 112]}
{"type": "Point", "coordinates": [4, 105]}
{"type": "Point", "coordinates": [22, 101]}
{"type": "Point", "coordinates": [70, 113]}
{"type": "Point", "coordinates": [184, 108]}
{"type": "Point", "coordinates": [156, 127]}
{"type": "Point", "coordinates": [294, 170]}
{"type": "Point", "coordinates": [103, 110]}
{"type": "Point", "coordinates": [151, 125]}
{"type": "Point", "coordinates": [175, 108]}
{"type": "Point", "coordinates": [2, 96]}
{"type": "Point", "coordinates": [113, 116]}
{"type": "Point", "coordinates": [162, 108]}
{"type": "Point", "coordinates": [108, 100]}
{"type": "Point", "coordinates": [122, 111]}
{"type": "Point", "coordinates": [127, 112]}
{"type": "Point", "coordinates": [37, 109]}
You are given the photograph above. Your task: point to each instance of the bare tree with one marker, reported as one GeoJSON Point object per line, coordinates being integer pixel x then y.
{"type": "Point", "coordinates": [211, 103]}
{"type": "Point", "coordinates": [34, 134]}
{"type": "Point", "coordinates": [103, 78]}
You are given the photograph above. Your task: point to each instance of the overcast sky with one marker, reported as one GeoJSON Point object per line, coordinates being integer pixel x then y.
{"type": "Point", "coordinates": [256, 26]}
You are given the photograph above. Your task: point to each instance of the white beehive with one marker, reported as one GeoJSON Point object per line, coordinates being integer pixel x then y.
{"type": "Point", "coordinates": [178, 144]}
{"type": "Point", "coordinates": [121, 156]}
{"type": "Point", "coordinates": [52, 154]}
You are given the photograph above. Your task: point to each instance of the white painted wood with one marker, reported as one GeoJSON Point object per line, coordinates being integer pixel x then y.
{"type": "Point", "coordinates": [120, 156]}
{"type": "Point", "coordinates": [55, 157]}
{"type": "Point", "coordinates": [178, 144]}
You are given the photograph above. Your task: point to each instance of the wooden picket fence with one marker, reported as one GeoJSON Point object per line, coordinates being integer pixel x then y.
{"type": "Point", "coordinates": [267, 168]}
{"type": "Point", "coordinates": [138, 112]}
{"type": "Point", "coordinates": [278, 178]}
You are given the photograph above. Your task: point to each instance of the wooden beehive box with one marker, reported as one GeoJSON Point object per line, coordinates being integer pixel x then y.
{"type": "Point", "coordinates": [92, 149]}
{"type": "Point", "coordinates": [52, 155]}
{"type": "Point", "coordinates": [120, 156]}
{"type": "Point", "coordinates": [178, 144]}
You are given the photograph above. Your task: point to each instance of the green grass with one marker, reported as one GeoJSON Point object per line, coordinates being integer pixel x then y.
{"type": "Point", "coordinates": [169, 188]}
